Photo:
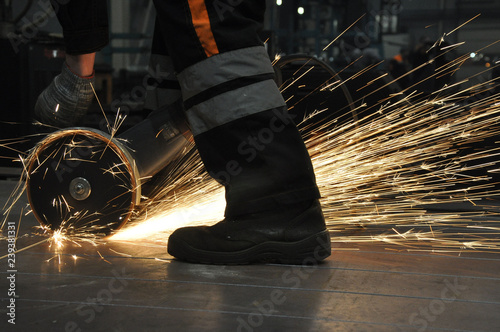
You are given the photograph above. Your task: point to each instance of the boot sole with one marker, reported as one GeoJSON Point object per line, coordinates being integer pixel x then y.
{"type": "Point", "coordinates": [310, 250]}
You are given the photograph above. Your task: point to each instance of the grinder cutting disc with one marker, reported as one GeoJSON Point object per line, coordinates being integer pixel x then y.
{"type": "Point", "coordinates": [81, 180]}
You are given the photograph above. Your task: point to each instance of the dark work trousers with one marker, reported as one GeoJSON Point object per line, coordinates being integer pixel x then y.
{"type": "Point", "coordinates": [84, 23]}
{"type": "Point", "coordinates": [212, 52]}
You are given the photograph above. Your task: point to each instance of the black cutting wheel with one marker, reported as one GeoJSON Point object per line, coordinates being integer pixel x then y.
{"type": "Point", "coordinates": [82, 181]}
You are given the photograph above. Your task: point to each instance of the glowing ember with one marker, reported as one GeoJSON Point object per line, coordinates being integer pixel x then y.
{"type": "Point", "coordinates": [58, 239]}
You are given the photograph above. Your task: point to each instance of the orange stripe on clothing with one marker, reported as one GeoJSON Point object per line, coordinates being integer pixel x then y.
{"type": "Point", "coordinates": [201, 23]}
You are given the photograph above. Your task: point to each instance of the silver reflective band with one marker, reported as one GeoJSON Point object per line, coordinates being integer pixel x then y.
{"type": "Point", "coordinates": [234, 105]}
{"type": "Point", "coordinates": [222, 68]}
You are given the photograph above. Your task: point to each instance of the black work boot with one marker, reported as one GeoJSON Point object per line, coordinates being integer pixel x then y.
{"type": "Point", "coordinates": [272, 212]}
{"type": "Point", "coordinates": [294, 235]}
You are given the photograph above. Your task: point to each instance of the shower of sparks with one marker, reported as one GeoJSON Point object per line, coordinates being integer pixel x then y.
{"type": "Point", "coordinates": [186, 195]}
{"type": "Point", "coordinates": [392, 176]}
{"type": "Point", "coordinates": [382, 179]}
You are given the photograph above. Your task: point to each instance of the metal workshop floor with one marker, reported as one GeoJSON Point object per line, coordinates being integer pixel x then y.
{"type": "Point", "coordinates": [138, 287]}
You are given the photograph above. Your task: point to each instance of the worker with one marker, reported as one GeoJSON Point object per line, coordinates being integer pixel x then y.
{"type": "Point", "coordinates": [66, 100]}
{"type": "Point", "coordinates": [246, 139]}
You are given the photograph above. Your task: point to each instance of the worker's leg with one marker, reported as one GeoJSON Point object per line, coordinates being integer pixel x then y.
{"type": "Point", "coordinates": [245, 137]}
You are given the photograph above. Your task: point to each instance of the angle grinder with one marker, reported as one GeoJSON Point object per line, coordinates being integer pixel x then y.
{"type": "Point", "coordinates": [84, 179]}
